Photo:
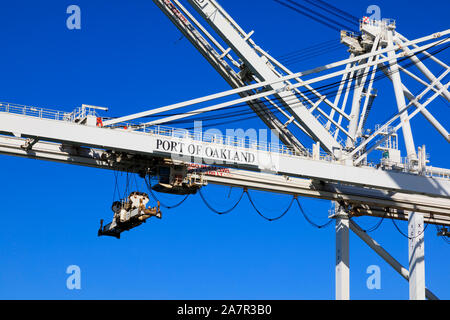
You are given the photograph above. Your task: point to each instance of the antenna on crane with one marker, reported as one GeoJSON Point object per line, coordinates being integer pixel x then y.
{"type": "Point", "coordinates": [87, 106]}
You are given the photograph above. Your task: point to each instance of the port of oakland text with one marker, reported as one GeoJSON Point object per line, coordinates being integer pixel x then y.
{"type": "Point", "coordinates": [206, 152]}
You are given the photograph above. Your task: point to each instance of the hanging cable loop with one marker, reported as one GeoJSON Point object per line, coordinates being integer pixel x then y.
{"type": "Point", "coordinates": [309, 220]}
{"type": "Point", "coordinates": [221, 212]}
{"type": "Point", "coordinates": [405, 235]}
{"type": "Point", "coordinates": [374, 227]}
{"type": "Point", "coordinates": [149, 186]}
{"type": "Point", "coordinates": [263, 216]}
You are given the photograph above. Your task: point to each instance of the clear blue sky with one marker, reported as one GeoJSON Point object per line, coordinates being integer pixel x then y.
{"type": "Point", "coordinates": [128, 56]}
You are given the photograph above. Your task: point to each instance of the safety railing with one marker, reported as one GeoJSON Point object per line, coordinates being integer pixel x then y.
{"type": "Point", "coordinates": [33, 111]}
{"type": "Point", "coordinates": [79, 113]}
{"type": "Point", "coordinates": [82, 112]}
{"type": "Point", "coordinates": [223, 140]}
{"type": "Point", "coordinates": [384, 23]}
{"type": "Point", "coordinates": [437, 173]}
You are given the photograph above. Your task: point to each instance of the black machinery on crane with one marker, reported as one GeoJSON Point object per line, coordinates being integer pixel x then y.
{"type": "Point", "coordinates": [129, 214]}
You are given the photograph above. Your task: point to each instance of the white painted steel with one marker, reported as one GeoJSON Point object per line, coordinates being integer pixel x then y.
{"type": "Point", "coordinates": [416, 254]}
{"type": "Point", "coordinates": [375, 246]}
{"type": "Point", "coordinates": [280, 163]}
{"type": "Point", "coordinates": [342, 257]}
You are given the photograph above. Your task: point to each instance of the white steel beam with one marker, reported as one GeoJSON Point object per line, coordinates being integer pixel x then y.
{"type": "Point", "coordinates": [288, 116]}
{"type": "Point", "coordinates": [378, 52]}
{"type": "Point", "coordinates": [416, 254]}
{"type": "Point", "coordinates": [225, 27]}
{"type": "Point", "coordinates": [200, 27]}
{"type": "Point", "coordinates": [225, 70]}
{"type": "Point", "coordinates": [385, 255]}
{"type": "Point", "coordinates": [357, 96]}
{"type": "Point", "coordinates": [437, 207]}
{"type": "Point", "coordinates": [433, 121]}
{"type": "Point", "coordinates": [424, 52]}
{"type": "Point", "coordinates": [338, 97]}
{"type": "Point", "coordinates": [366, 101]}
{"type": "Point", "coordinates": [342, 257]}
{"type": "Point", "coordinates": [400, 98]}
{"type": "Point", "coordinates": [422, 68]}
{"type": "Point", "coordinates": [249, 98]}
{"type": "Point", "coordinates": [396, 128]}
{"type": "Point", "coordinates": [278, 80]}
{"type": "Point", "coordinates": [346, 95]}
{"type": "Point", "coordinates": [356, 103]}
{"type": "Point", "coordinates": [280, 163]}
{"type": "Point", "coordinates": [413, 76]}
{"type": "Point", "coordinates": [390, 213]}
{"type": "Point", "coordinates": [390, 121]}
{"type": "Point", "coordinates": [330, 119]}
{"type": "Point", "coordinates": [333, 105]}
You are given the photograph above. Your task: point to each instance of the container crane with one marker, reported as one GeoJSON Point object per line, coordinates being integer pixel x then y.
{"type": "Point", "coordinates": [336, 169]}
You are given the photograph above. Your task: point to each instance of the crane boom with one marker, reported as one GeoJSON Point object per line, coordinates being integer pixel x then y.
{"type": "Point", "coordinates": [365, 200]}
{"type": "Point", "coordinates": [181, 144]}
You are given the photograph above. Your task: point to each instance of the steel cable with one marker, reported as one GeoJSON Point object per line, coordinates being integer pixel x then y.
{"type": "Point", "coordinates": [263, 216]}
{"type": "Point", "coordinates": [444, 238]}
{"type": "Point", "coordinates": [307, 93]}
{"type": "Point", "coordinates": [405, 235]}
{"type": "Point", "coordinates": [318, 17]}
{"type": "Point", "coordinates": [310, 221]}
{"type": "Point", "coordinates": [217, 211]}
{"type": "Point", "coordinates": [149, 186]}
{"type": "Point", "coordinates": [296, 59]}
{"type": "Point", "coordinates": [307, 49]}
{"type": "Point", "coordinates": [374, 227]}
{"type": "Point", "coordinates": [338, 10]}
{"type": "Point", "coordinates": [333, 10]}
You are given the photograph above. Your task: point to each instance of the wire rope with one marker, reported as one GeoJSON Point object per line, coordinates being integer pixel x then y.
{"type": "Point", "coordinates": [375, 226]}
{"type": "Point", "coordinates": [318, 226]}
{"type": "Point", "coordinates": [405, 235]}
{"type": "Point", "coordinates": [307, 93]}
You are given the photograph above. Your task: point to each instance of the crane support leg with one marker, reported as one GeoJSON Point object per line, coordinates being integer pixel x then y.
{"type": "Point", "coordinates": [342, 257]}
{"type": "Point", "coordinates": [416, 253]}
{"type": "Point", "coordinates": [375, 246]}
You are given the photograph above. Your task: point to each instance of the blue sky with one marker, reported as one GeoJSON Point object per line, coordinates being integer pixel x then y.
{"type": "Point", "coordinates": [128, 56]}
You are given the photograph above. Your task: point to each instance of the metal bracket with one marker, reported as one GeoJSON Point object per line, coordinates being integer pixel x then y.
{"type": "Point", "coordinates": [29, 143]}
